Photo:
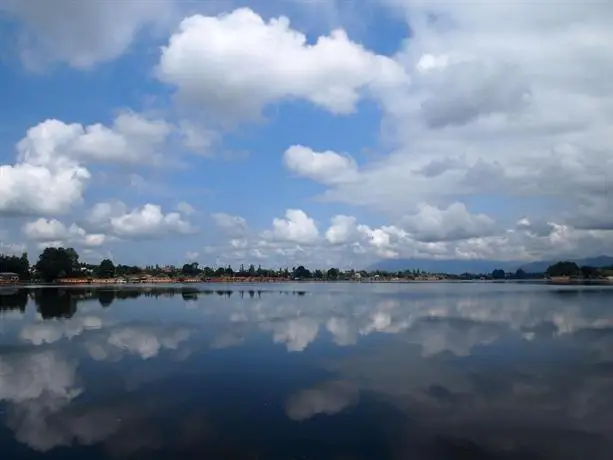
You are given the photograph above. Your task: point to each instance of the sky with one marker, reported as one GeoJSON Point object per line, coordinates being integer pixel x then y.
{"type": "Point", "coordinates": [323, 133]}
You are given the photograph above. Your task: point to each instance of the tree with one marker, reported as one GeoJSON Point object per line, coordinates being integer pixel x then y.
{"type": "Point", "coordinates": [318, 274]}
{"type": "Point", "coordinates": [301, 272]}
{"type": "Point", "coordinates": [54, 263]}
{"type": "Point", "coordinates": [191, 269]}
{"type": "Point", "coordinates": [589, 272]}
{"type": "Point", "coordinates": [498, 274]}
{"type": "Point", "coordinates": [332, 274]}
{"type": "Point", "coordinates": [520, 274]}
{"type": "Point", "coordinates": [564, 268]}
{"type": "Point", "coordinates": [106, 269]}
{"type": "Point", "coordinates": [14, 264]}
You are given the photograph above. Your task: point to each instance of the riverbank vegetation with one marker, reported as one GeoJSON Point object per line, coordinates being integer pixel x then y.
{"type": "Point", "coordinates": [55, 264]}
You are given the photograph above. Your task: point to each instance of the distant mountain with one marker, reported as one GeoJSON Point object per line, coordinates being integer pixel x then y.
{"type": "Point", "coordinates": [457, 267]}
{"type": "Point", "coordinates": [452, 266]}
{"type": "Point", "coordinates": [541, 266]}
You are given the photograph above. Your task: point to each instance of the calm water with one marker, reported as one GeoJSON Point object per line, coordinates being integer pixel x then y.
{"type": "Point", "coordinates": [336, 371]}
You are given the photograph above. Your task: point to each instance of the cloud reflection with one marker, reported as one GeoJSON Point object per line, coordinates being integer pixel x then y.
{"type": "Point", "coordinates": [143, 341]}
{"type": "Point", "coordinates": [328, 398]}
{"type": "Point", "coordinates": [37, 385]}
{"type": "Point", "coordinates": [52, 331]}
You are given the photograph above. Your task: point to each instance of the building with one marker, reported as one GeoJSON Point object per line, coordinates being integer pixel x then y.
{"type": "Point", "coordinates": [9, 278]}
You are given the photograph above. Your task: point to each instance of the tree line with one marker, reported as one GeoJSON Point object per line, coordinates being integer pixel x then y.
{"type": "Point", "coordinates": [54, 263]}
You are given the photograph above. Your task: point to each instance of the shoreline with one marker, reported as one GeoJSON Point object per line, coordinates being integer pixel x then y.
{"type": "Point", "coordinates": [285, 281]}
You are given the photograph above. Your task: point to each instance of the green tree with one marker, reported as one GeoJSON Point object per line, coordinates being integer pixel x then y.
{"type": "Point", "coordinates": [332, 274]}
{"type": "Point", "coordinates": [14, 264]}
{"type": "Point", "coordinates": [590, 272]}
{"type": "Point", "coordinates": [520, 274]}
{"type": "Point", "coordinates": [318, 274]}
{"type": "Point", "coordinates": [301, 273]}
{"type": "Point", "coordinates": [564, 268]}
{"type": "Point", "coordinates": [498, 274]}
{"type": "Point", "coordinates": [54, 263]}
{"type": "Point", "coordinates": [106, 269]}
{"type": "Point", "coordinates": [191, 269]}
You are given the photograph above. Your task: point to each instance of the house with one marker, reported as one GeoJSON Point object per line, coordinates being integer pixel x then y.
{"type": "Point", "coordinates": [9, 278]}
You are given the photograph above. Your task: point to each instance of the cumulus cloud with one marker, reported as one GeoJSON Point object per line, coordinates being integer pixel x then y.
{"type": "Point", "coordinates": [486, 116]}
{"type": "Point", "coordinates": [297, 227]}
{"type": "Point", "coordinates": [44, 180]}
{"type": "Point", "coordinates": [132, 138]}
{"type": "Point", "coordinates": [341, 230]}
{"type": "Point", "coordinates": [235, 225]}
{"type": "Point", "coordinates": [49, 176]}
{"type": "Point", "coordinates": [81, 34]}
{"type": "Point", "coordinates": [278, 64]}
{"type": "Point", "coordinates": [147, 221]}
{"type": "Point", "coordinates": [453, 223]}
{"type": "Point", "coordinates": [53, 232]}
{"type": "Point", "coordinates": [327, 167]}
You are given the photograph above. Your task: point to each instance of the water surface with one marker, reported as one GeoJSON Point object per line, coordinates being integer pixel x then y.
{"type": "Point", "coordinates": [308, 371]}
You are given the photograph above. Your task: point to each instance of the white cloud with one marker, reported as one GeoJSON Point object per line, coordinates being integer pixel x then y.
{"type": "Point", "coordinates": [49, 177]}
{"type": "Point", "coordinates": [236, 63]}
{"type": "Point", "coordinates": [48, 231]}
{"type": "Point", "coordinates": [234, 225]}
{"type": "Point", "coordinates": [485, 117]}
{"type": "Point", "coordinates": [131, 139]}
{"type": "Point", "coordinates": [327, 167]}
{"type": "Point", "coordinates": [82, 33]}
{"type": "Point", "coordinates": [297, 227]}
{"type": "Point", "coordinates": [342, 229]}
{"type": "Point", "coordinates": [148, 221]}
{"type": "Point", "coordinates": [42, 181]}
{"type": "Point", "coordinates": [453, 223]}
{"type": "Point", "coordinates": [101, 213]}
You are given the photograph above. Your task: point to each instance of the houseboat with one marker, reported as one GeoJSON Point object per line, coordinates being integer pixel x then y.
{"type": "Point", "coordinates": [9, 278]}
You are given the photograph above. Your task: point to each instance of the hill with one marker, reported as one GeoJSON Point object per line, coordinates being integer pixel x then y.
{"type": "Point", "coordinates": [454, 266]}
{"type": "Point", "coordinates": [541, 266]}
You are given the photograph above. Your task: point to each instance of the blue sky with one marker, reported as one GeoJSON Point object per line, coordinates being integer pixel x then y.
{"type": "Point", "coordinates": [323, 133]}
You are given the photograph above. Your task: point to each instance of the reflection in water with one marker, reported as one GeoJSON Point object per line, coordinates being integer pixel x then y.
{"type": "Point", "coordinates": [13, 299]}
{"type": "Point", "coordinates": [327, 398]}
{"type": "Point", "coordinates": [337, 371]}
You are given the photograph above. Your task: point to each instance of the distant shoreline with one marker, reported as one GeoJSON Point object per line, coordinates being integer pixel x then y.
{"type": "Point", "coordinates": [284, 281]}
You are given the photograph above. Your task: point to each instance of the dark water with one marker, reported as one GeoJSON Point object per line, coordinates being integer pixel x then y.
{"type": "Point", "coordinates": [420, 371]}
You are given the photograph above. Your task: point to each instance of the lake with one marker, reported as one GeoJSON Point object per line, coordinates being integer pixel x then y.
{"type": "Point", "coordinates": [308, 371]}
